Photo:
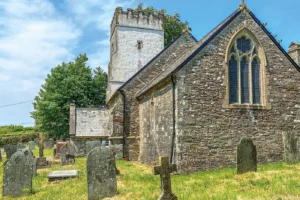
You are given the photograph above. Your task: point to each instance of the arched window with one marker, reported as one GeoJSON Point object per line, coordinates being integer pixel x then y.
{"type": "Point", "coordinates": [245, 72]}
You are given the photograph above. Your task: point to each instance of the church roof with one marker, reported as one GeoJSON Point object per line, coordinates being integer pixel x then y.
{"type": "Point", "coordinates": [189, 55]}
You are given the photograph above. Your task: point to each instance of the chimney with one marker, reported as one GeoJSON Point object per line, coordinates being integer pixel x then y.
{"type": "Point", "coordinates": [294, 52]}
{"type": "Point", "coordinates": [72, 122]}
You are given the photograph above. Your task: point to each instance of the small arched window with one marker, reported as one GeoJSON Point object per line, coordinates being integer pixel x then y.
{"type": "Point", "coordinates": [245, 72]}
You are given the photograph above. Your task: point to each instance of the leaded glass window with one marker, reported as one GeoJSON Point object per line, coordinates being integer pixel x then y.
{"type": "Point", "coordinates": [244, 68]}
{"type": "Point", "coordinates": [256, 81]}
{"type": "Point", "coordinates": [233, 80]}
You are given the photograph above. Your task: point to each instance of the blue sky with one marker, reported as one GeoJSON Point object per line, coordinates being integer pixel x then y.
{"type": "Point", "coordinates": [37, 35]}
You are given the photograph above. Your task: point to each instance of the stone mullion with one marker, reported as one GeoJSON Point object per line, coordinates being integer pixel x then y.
{"type": "Point", "coordinates": [239, 80]}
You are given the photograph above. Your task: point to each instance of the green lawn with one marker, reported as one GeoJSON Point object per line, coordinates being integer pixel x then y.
{"type": "Point", "coordinates": [274, 181]}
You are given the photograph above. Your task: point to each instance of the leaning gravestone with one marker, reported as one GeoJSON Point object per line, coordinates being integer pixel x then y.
{"type": "Point", "coordinates": [291, 151]}
{"type": "Point", "coordinates": [30, 160]}
{"type": "Point", "coordinates": [246, 156]}
{"type": "Point", "coordinates": [68, 152]}
{"type": "Point", "coordinates": [10, 149]}
{"type": "Point", "coordinates": [91, 145]}
{"type": "Point", "coordinates": [17, 175]}
{"type": "Point", "coordinates": [31, 145]}
{"type": "Point", "coordinates": [21, 146]}
{"type": "Point", "coordinates": [101, 173]}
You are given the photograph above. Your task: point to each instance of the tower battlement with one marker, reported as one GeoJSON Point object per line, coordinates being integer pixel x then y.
{"type": "Point", "coordinates": [130, 18]}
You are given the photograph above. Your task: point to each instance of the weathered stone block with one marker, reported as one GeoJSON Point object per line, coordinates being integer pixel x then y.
{"type": "Point", "coordinates": [10, 149]}
{"type": "Point", "coordinates": [101, 173]}
{"type": "Point", "coordinates": [17, 175]}
{"type": "Point", "coordinates": [246, 156]}
{"type": "Point", "coordinates": [291, 151]}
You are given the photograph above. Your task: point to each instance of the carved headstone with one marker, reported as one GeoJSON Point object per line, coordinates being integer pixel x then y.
{"type": "Point", "coordinates": [31, 145]}
{"type": "Point", "coordinates": [164, 171]}
{"type": "Point", "coordinates": [30, 160]}
{"type": "Point", "coordinates": [21, 146]}
{"type": "Point", "coordinates": [91, 145]}
{"type": "Point", "coordinates": [246, 156]}
{"type": "Point", "coordinates": [10, 149]}
{"type": "Point", "coordinates": [291, 151]}
{"type": "Point", "coordinates": [17, 176]}
{"type": "Point", "coordinates": [68, 152]}
{"type": "Point", "coordinates": [59, 144]}
{"type": "Point", "coordinates": [101, 173]}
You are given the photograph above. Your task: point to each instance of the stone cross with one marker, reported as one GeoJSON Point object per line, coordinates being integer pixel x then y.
{"type": "Point", "coordinates": [41, 146]}
{"type": "Point", "coordinates": [164, 171]}
{"type": "Point", "coordinates": [246, 156]}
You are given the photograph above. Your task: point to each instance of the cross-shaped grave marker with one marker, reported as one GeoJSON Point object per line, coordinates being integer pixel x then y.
{"type": "Point", "coordinates": [164, 171]}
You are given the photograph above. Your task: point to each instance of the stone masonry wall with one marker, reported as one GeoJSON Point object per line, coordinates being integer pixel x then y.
{"type": "Point", "coordinates": [184, 42]}
{"type": "Point", "coordinates": [207, 133]}
{"type": "Point", "coordinates": [156, 125]}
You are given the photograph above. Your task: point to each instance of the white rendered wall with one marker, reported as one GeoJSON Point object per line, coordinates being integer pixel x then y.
{"type": "Point", "coordinates": [126, 58]}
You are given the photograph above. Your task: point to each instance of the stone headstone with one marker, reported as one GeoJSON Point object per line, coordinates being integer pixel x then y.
{"type": "Point", "coordinates": [30, 160]}
{"type": "Point", "coordinates": [17, 175]}
{"type": "Point", "coordinates": [117, 149]}
{"type": "Point", "coordinates": [68, 152]}
{"type": "Point", "coordinates": [31, 145]}
{"type": "Point", "coordinates": [59, 144]}
{"type": "Point", "coordinates": [91, 145]}
{"type": "Point", "coordinates": [49, 144]}
{"type": "Point", "coordinates": [164, 171]}
{"type": "Point", "coordinates": [21, 146]}
{"type": "Point", "coordinates": [101, 173]}
{"type": "Point", "coordinates": [62, 174]}
{"type": "Point", "coordinates": [10, 149]}
{"type": "Point", "coordinates": [291, 151]}
{"type": "Point", "coordinates": [246, 156]}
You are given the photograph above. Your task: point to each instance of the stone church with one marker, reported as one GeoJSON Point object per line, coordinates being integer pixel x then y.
{"type": "Point", "coordinates": [194, 100]}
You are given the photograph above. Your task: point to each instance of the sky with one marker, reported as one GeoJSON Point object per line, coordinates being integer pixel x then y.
{"type": "Point", "coordinates": [37, 35]}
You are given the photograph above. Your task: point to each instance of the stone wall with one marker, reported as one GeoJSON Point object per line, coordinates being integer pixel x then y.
{"type": "Point", "coordinates": [162, 61]}
{"type": "Point", "coordinates": [156, 125]}
{"type": "Point", "coordinates": [207, 133]}
{"type": "Point", "coordinates": [92, 122]}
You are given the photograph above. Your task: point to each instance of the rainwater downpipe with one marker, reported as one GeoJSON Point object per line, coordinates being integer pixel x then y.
{"type": "Point", "coordinates": [174, 121]}
{"type": "Point", "coordinates": [124, 133]}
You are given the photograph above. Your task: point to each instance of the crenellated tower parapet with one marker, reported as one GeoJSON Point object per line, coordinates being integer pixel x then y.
{"type": "Point", "coordinates": [130, 18]}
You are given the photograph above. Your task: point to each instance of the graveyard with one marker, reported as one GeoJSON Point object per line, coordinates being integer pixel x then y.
{"type": "Point", "coordinates": [136, 181]}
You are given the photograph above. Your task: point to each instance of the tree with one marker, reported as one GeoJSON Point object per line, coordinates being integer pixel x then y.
{"type": "Point", "coordinates": [173, 26]}
{"type": "Point", "coordinates": [72, 82]}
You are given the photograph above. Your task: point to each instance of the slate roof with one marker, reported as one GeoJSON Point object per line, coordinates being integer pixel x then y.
{"type": "Point", "coordinates": [189, 55]}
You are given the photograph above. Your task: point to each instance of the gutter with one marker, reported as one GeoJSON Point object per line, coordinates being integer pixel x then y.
{"type": "Point", "coordinates": [124, 108]}
{"type": "Point", "coordinates": [174, 120]}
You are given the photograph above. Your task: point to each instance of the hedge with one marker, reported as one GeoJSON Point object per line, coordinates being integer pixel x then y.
{"type": "Point", "coordinates": [17, 139]}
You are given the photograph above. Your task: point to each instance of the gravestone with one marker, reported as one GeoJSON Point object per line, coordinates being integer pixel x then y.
{"type": "Point", "coordinates": [30, 160]}
{"type": "Point", "coordinates": [68, 152]}
{"type": "Point", "coordinates": [291, 151]}
{"type": "Point", "coordinates": [31, 145]}
{"type": "Point", "coordinates": [164, 171]}
{"type": "Point", "coordinates": [17, 176]}
{"type": "Point", "coordinates": [101, 173]}
{"type": "Point", "coordinates": [91, 145]}
{"type": "Point", "coordinates": [59, 145]}
{"type": "Point", "coordinates": [49, 144]}
{"type": "Point", "coordinates": [10, 149]}
{"type": "Point", "coordinates": [246, 156]}
{"type": "Point", "coordinates": [41, 161]}
{"type": "Point", "coordinates": [21, 146]}
{"type": "Point", "coordinates": [62, 174]}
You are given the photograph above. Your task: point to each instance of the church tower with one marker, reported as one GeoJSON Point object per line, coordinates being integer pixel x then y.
{"type": "Point", "coordinates": [135, 39]}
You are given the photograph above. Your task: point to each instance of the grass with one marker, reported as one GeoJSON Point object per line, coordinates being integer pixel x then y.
{"type": "Point", "coordinates": [276, 181]}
